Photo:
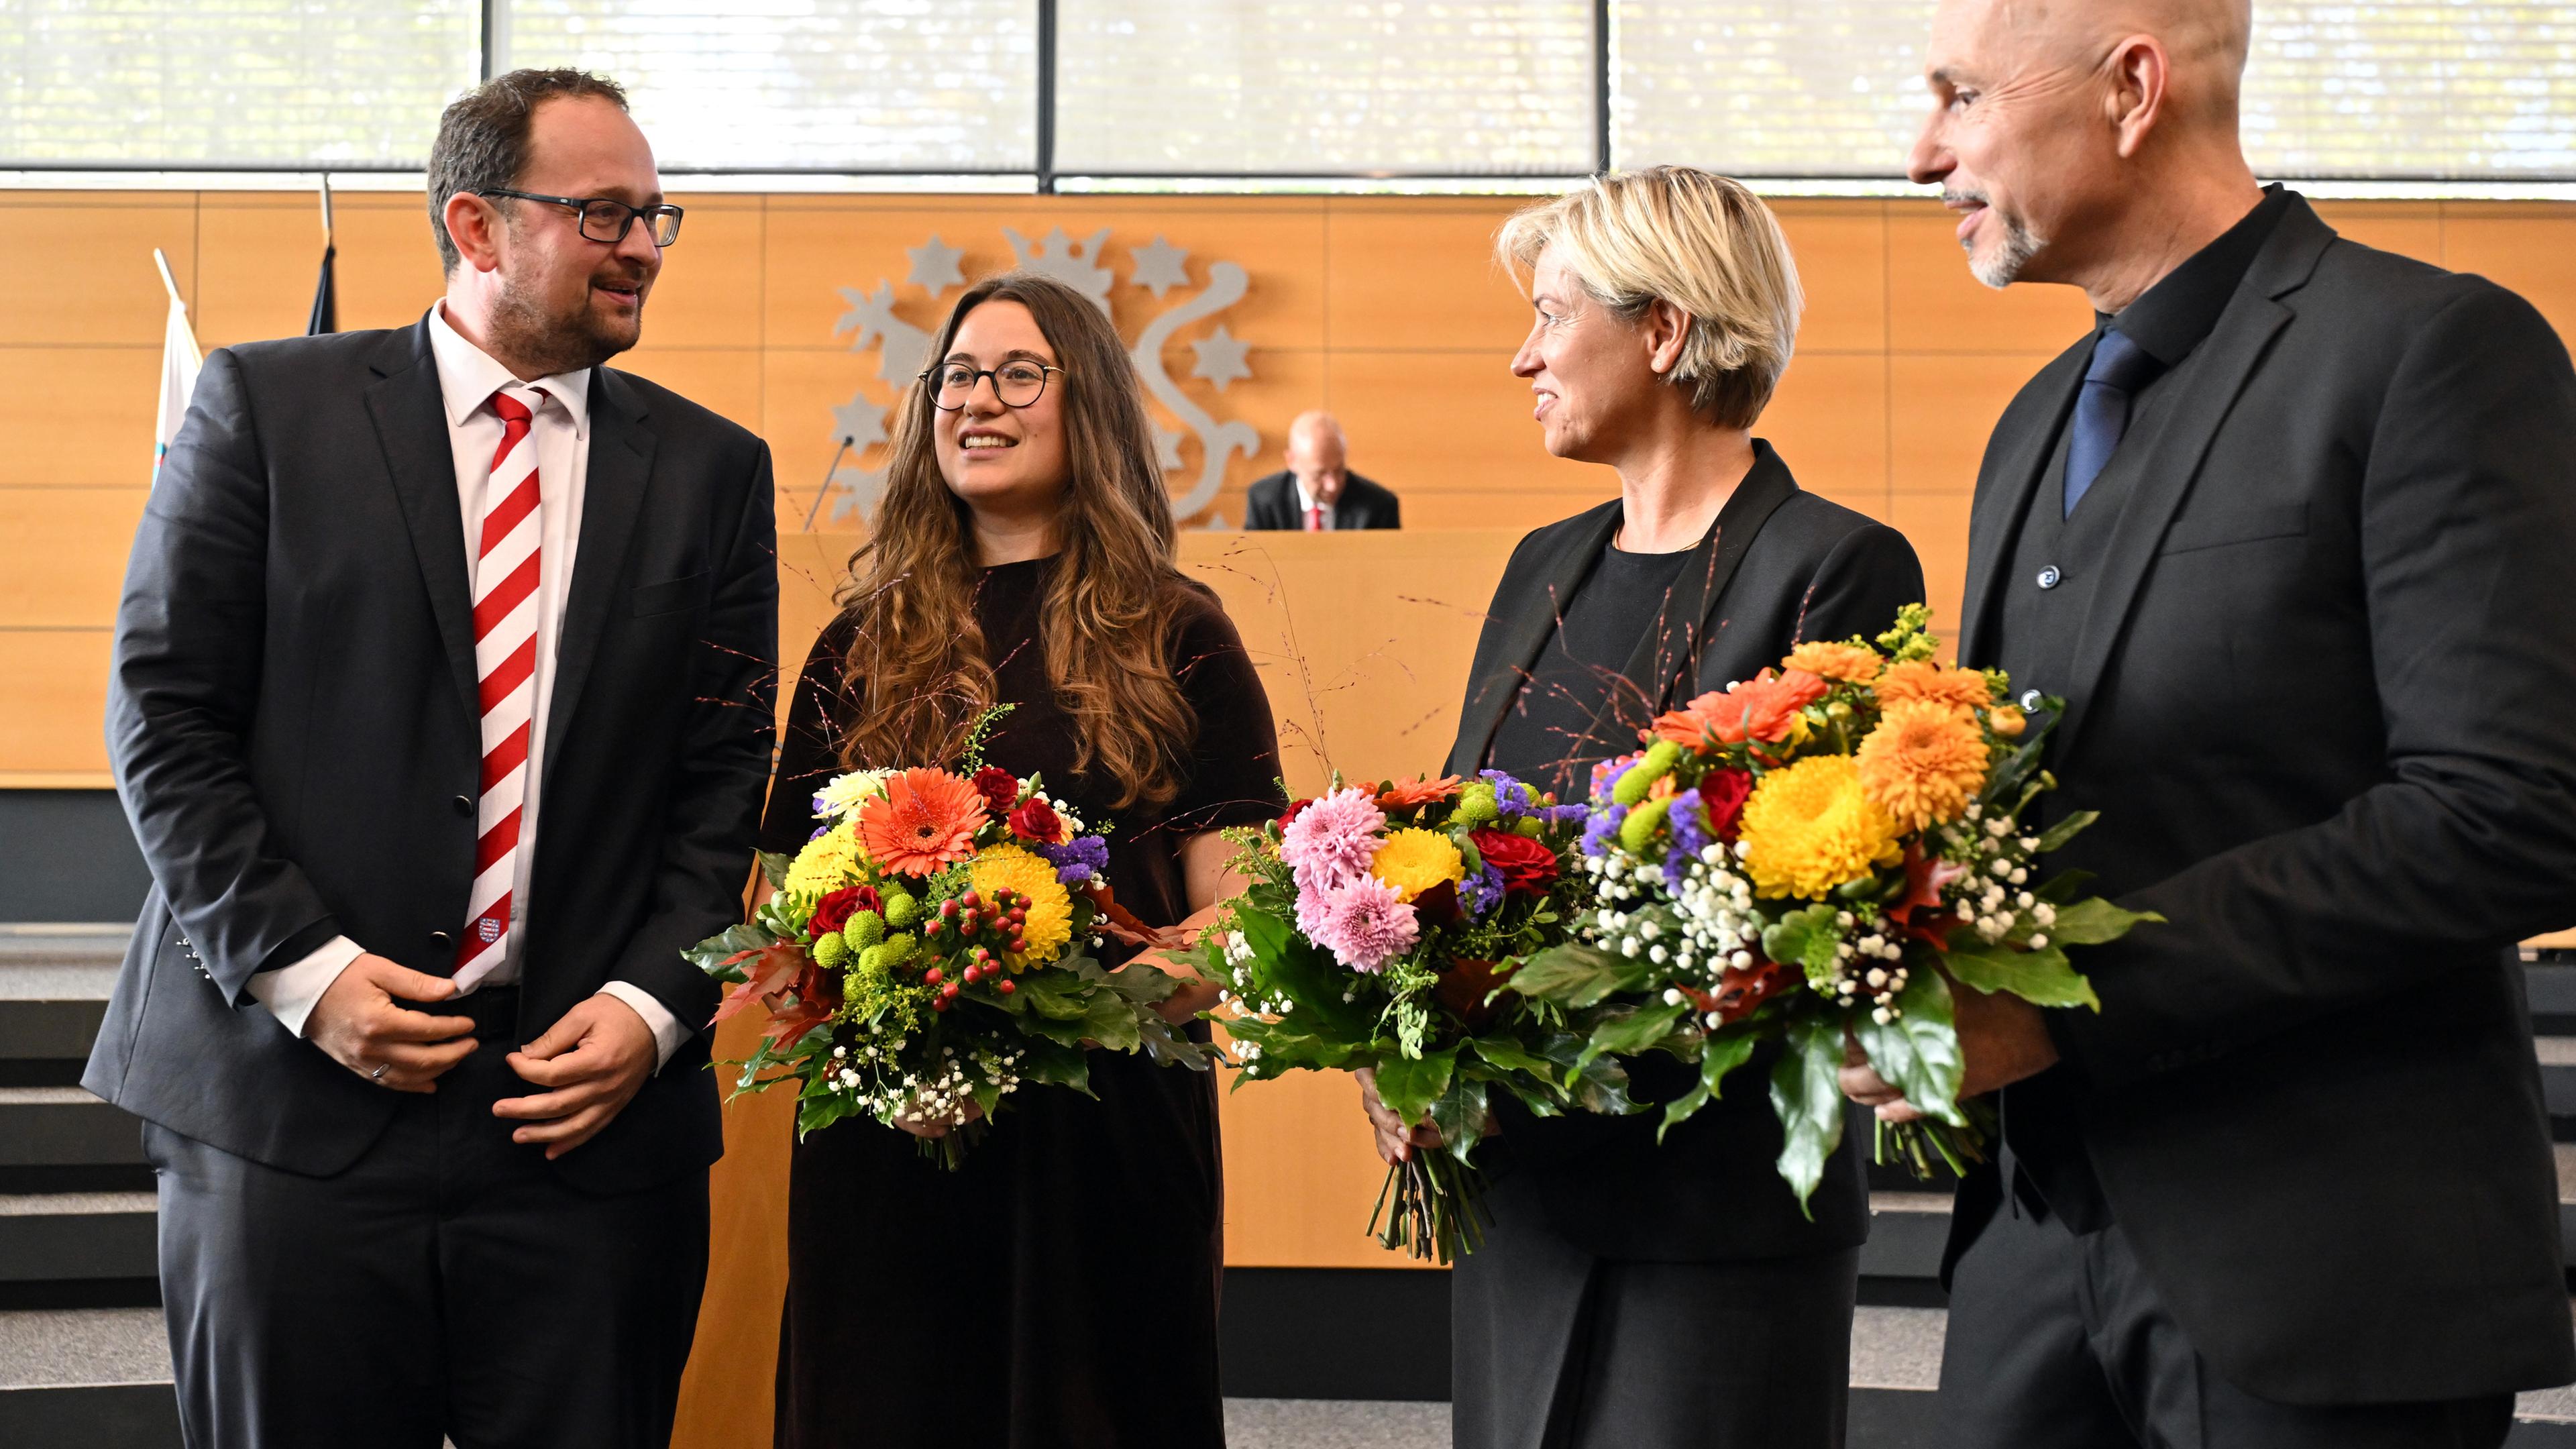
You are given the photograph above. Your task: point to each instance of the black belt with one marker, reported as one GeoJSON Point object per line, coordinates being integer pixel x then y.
{"type": "Point", "coordinates": [494, 1010]}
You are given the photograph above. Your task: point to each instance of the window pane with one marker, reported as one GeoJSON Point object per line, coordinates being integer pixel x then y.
{"type": "Point", "coordinates": [862, 85]}
{"type": "Point", "coordinates": [1834, 88]}
{"type": "Point", "coordinates": [225, 82]}
{"type": "Point", "coordinates": [1308, 87]}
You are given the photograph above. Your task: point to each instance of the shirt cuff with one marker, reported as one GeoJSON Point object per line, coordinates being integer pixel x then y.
{"type": "Point", "coordinates": [291, 992]}
{"type": "Point", "coordinates": [667, 1031]}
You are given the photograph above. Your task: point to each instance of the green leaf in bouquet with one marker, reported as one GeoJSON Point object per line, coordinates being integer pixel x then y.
{"type": "Point", "coordinates": [2093, 921]}
{"type": "Point", "coordinates": [774, 867]}
{"type": "Point", "coordinates": [2042, 977]}
{"type": "Point", "coordinates": [1806, 1092]}
{"type": "Point", "coordinates": [2065, 887]}
{"type": "Point", "coordinates": [1168, 1047]}
{"type": "Point", "coordinates": [1629, 1033]}
{"type": "Point", "coordinates": [817, 1112]}
{"type": "Point", "coordinates": [711, 954]}
{"type": "Point", "coordinates": [2008, 778]}
{"type": "Point", "coordinates": [1057, 996]}
{"type": "Point", "coordinates": [1601, 1088]}
{"type": "Point", "coordinates": [1056, 1064]}
{"type": "Point", "coordinates": [1917, 1049]}
{"type": "Point", "coordinates": [1459, 1113]}
{"type": "Point", "coordinates": [1805, 939]}
{"type": "Point", "coordinates": [1719, 1055]}
{"type": "Point", "coordinates": [1287, 964]}
{"type": "Point", "coordinates": [2056, 836]}
{"type": "Point", "coordinates": [1573, 975]}
{"type": "Point", "coordinates": [1409, 1085]}
{"type": "Point", "coordinates": [1508, 1055]}
{"type": "Point", "coordinates": [1111, 1021]}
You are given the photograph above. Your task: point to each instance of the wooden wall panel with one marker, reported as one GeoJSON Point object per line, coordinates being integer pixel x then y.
{"type": "Point", "coordinates": [709, 292]}
{"type": "Point", "coordinates": [57, 701]}
{"type": "Point", "coordinates": [260, 254]}
{"type": "Point", "coordinates": [1841, 251]}
{"type": "Point", "coordinates": [82, 270]}
{"type": "Point", "coordinates": [1421, 275]}
{"type": "Point", "coordinates": [1940, 411]}
{"type": "Point", "coordinates": [725, 380]}
{"type": "Point", "coordinates": [77, 414]}
{"type": "Point", "coordinates": [2525, 247]}
{"type": "Point", "coordinates": [68, 548]}
{"type": "Point", "coordinates": [1829, 423]}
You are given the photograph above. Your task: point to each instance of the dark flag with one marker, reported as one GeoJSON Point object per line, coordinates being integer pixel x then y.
{"type": "Point", "coordinates": [326, 298]}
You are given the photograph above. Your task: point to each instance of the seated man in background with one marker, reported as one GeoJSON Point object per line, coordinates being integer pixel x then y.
{"type": "Point", "coordinates": [1318, 492]}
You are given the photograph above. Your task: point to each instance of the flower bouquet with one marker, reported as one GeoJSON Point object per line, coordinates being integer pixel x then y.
{"type": "Point", "coordinates": [1377, 925]}
{"type": "Point", "coordinates": [926, 955]}
{"type": "Point", "coordinates": [1820, 851]}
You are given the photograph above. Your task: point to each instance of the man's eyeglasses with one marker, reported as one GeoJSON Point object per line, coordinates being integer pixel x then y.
{"type": "Point", "coordinates": [1017, 384]}
{"type": "Point", "coordinates": [606, 219]}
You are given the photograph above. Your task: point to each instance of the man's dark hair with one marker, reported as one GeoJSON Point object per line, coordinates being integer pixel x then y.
{"type": "Point", "coordinates": [483, 136]}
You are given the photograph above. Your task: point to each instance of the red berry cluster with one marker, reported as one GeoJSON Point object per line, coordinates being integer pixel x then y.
{"type": "Point", "coordinates": [982, 929]}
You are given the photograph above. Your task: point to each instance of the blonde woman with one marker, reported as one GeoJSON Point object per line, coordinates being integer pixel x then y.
{"type": "Point", "coordinates": [1061, 1288]}
{"type": "Point", "coordinates": [1628, 1293]}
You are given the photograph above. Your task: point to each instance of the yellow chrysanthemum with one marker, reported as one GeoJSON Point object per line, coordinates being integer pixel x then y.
{"type": "Point", "coordinates": [1809, 828]}
{"type": "Point", "coordinates": [1413, 861]}
{"type": "Point", "coordinates": [1007, 867]}
{"type": "Point", "coordinates": [1850, 663]}
{"type": "Point", "coordinates": [825, 864]}
{"type": "Point", "coordinates": [1924, 762]}
{"type": "Point", "coordinates": [1922, 681]}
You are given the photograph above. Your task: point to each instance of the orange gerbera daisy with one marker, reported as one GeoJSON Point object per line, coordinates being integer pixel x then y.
{"type": "Point", "coordinates": [1924, 762]}
{"type": "Point", "coordinates": [1419, 791]}
{"type": "Point", "coordinates": [925, 819]}
{"type": "Point", "coordinates": [1849, 663]}
{"type": "Point", "coordinates": [1920, 681]}
{"type": "Point", "coordinates": [1764, 707]}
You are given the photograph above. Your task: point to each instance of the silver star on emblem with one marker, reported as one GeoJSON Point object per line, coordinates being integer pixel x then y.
{"type": "Point", "coordinates": [860, 421]}
{"type": "Point", "coordinates": [1167, 447]}
{"type": "Point", "coordinates": [1158, 266]}
{"type": "Point", "coordinates": [934, 266]}
{"type": "Point", "coordinates": [1220, 358]}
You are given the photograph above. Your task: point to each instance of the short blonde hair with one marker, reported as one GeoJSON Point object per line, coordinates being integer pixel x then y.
{"type": "Point", "coordinates": [1694, 239]}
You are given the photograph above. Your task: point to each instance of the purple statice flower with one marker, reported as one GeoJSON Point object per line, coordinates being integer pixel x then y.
{"type": "Point", "coordinates": [1365, 923]}
{"type": "Point", "coordinates": [1512, 797]}
{"type": "Point", "coordinates": [1333, 839]}
{"type": "Point", "coordinates": [1481, 892]}
{"type": "Point", "coordinates": [1603, 827]}
{"type": "Point", "coordinates": [819, 832]}
{"type": "Point", "coordinates": [1561, 814]}
{"type": "Point", "coordinates": [1078, 859]}
{"type": "Point", "coordinates": [1689, 824]}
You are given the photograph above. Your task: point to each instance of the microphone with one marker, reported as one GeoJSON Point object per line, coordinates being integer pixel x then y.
{"type": "Point", "coordinates": [825, 491]}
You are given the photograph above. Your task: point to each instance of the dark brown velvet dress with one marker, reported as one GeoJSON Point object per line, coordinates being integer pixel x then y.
{"type": "Point", "coordinates": [1061, 1289]}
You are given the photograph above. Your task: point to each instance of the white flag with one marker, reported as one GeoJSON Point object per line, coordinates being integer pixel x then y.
{"type": "Point", "coordinates": [180, 362]}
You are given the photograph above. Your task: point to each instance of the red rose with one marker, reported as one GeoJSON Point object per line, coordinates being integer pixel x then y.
{"type": "Point", "coordinates": [999, 787]}
{"type": "Point", "coordinates": [1527, 867]}
{"type": "Point", "coordinates": [1295, 809]}
{"type": "Point", "coordinates": [1721, 795]}
{"type": "Point", "coordinates": [833, 911]}
{"type": "Point", "coordinates": [1036, 820]}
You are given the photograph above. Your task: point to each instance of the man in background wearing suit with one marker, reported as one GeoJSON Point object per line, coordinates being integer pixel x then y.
{"type": "Point", "coordinates": [1318, 492]}
{"type": "Point", "coordinates": [2289, 531]}
{"type": "Point", "coordinates": [441, 708]}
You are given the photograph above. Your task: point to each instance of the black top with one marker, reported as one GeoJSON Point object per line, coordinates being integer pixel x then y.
{"type": "Point", "coordinates": [1576, 707]}
{"type": "Point", "coordinates": [1780, 566]}
{"type": "Point", "coordinates": [2319, 694]}
{"type": "Point", "coordinates": [1077, 1218]}
{"type": "Point", "coordinates": [2172, 317]}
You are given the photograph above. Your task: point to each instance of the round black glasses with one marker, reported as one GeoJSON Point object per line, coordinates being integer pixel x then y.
{"type": "Point", "coordinates": [1017, 384]}
{"type": "Point", "coordinates": [605, 218]}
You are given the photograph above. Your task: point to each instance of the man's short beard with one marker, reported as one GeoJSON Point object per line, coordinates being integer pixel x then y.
{"type": "Point", "coordinates": [547, 344]}
{"type": "Point", "coordinates": [2020, 246]}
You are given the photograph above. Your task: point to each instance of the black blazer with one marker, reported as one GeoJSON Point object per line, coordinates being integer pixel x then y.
{"type": "Point", "coordinates": [292, 721]}
{"type": "Point", "coordinates": [2325, 700]}
{"type": "Point", "coordinates": [1782, 566]}
{"type": "Point", "coordinates": [1272, 504]}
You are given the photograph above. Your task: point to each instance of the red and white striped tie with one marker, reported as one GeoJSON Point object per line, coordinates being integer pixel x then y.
{"type": "Point", "coordinates": [505, 664]}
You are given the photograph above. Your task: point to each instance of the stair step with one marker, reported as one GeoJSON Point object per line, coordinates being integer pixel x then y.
{"type": "Point", "coordinates": [95, 1377]}
{"type": "Point", "coordinates": [65, 1127]}
{"type": "Point", "coordinates": [74, 1237]}
{"type": "Point", "coordinates": [52, 961]}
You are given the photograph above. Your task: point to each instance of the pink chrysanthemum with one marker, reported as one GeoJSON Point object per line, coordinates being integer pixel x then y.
{"type": "Point", "coordinates": [1365, 923]}
{"type": "Point", "coordinates": [1333, 839]}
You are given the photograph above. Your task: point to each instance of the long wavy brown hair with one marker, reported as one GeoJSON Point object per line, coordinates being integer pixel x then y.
{"type": "Point", "coordinates": [917, 656]}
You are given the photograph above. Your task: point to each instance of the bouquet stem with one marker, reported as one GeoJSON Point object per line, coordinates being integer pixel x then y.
{"type": "Point", "coordinates": [1917, 1143]}
{"type": "Point", "coordinates": [1435, 1208]}
{"type": "Point", "coordinates": [949, 1148]}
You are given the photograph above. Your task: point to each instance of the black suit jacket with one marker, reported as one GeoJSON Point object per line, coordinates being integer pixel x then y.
{"type": "Point", "coordinates": [1782, 566]}
{"type": "Point", "coordinates": [2325, 699]}
{"type": "Point", "coordinates": [1272, 504]}
{"type": "Point", "coordinates": [292, 721]}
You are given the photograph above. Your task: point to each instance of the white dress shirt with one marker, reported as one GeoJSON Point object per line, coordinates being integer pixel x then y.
{"type": "Point", "coordinates": [467, 378]}
{"type": "Point", "coordinates": [1306, 505]}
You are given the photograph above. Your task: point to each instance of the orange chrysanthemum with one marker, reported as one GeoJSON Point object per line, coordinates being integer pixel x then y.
{"type": "Point", "coordinates": [1921, 681]}
{"type": "Point", "coordinates": [1764, 707]}
{"type": "Point", "coordinates": [924, 820]}
{"type": "Point", "coordinates": [1924, 762]}
{"type": "Point", "coordinates": [1418, 791]}
{"type": "Point", "coordinates": [1848, 663]}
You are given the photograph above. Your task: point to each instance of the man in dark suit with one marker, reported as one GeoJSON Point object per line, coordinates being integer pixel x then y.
{"type": "Point", "coordinates": [2289, 532]}
{"type": "Point", "coordinates": [1317, 492]}
{"type": "Point", "coordinates": [441, 708]}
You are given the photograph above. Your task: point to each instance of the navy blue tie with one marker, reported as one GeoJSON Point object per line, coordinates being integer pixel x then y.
{"type": "Point", "coordinates": [2119, 368]}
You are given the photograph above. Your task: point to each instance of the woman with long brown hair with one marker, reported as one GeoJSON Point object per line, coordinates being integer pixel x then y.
{"type": "Point", "coordinates": [1061, 1288]}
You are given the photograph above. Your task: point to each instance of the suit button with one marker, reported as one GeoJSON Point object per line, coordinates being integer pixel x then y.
{"type": "Point", "coordinates": [2049, 577]}
{"type": "Point", "coordinates": [2030, 700]}
{"type": "Point", "coordinates": [441, 939]}
{"type": "Point", "coordinates": [462, 805]}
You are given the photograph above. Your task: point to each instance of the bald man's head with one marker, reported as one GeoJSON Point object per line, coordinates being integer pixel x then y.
{"type": "Point", "coordinates": [2054, 119]}
{"type": "Point", "coordinates": [1318, 454]}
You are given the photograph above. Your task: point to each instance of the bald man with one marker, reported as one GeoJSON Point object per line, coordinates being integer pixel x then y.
{"type": "Point", "coordinates": [1317, 492]}
{"type": "Point", "coordinates": [2289, 531]}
